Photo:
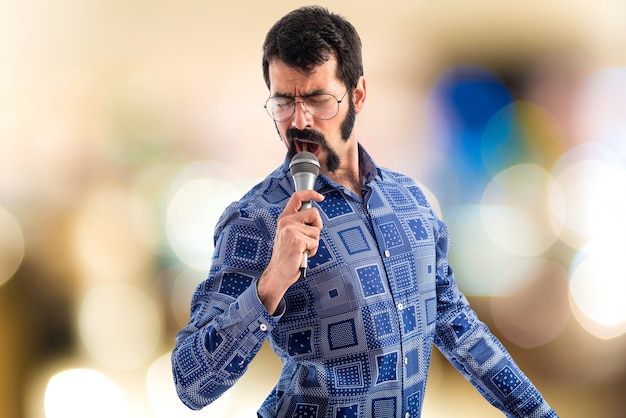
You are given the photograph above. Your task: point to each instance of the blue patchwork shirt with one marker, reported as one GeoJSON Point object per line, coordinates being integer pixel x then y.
{"type": "Point", "coordinates": [355, 337]}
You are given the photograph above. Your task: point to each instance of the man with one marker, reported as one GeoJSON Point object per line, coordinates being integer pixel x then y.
{"type": "Point", "coordinates": [355, 335]}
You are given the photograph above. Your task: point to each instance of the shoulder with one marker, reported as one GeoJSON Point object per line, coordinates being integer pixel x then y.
{"type": "Point", "coordinates": [262, 203]}
{"type": "Point", "coordinates": [395, 179]}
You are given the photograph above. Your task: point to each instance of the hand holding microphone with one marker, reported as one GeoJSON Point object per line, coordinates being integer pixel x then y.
{"type": "Point", "coordinates": [304, 168]}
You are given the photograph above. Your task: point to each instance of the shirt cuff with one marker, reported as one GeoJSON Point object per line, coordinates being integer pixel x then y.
{"type": "Point", "coordinates": [253, 311]}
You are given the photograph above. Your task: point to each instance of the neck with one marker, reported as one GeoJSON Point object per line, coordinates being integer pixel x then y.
{"type": "Point", "coordinates": [349, 174]}
{"type": "Point", "coordinates": [350, 182]}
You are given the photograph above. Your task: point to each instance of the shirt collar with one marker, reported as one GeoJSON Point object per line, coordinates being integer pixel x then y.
{"type": "Point", "coordinates": [370, 170]}
{"type": "Point", "coordinates": [368, 167]}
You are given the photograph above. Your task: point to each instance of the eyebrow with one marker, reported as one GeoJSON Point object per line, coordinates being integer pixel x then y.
{"type": "Point", "coordinates": [312, 93]}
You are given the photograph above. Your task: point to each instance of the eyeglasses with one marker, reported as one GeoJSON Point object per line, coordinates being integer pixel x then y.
{"type": "Point", "coordinates": [321, 106]}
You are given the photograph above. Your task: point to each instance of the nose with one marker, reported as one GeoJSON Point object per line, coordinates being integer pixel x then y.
{"type": "Point", "coordinates": [301, 116]}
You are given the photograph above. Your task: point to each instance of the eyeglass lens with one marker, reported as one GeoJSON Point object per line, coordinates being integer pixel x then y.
{"type": "Point", "coordinates": [320, 106]}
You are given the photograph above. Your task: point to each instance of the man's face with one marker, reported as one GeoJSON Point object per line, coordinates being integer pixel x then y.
{"type": "Point", "coordinates": [330, 140]}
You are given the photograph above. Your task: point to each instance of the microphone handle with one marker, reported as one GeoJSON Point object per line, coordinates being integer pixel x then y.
{"type": "Point", "coordinates": [303, 265]}
{"type": "Point", "coordinates": [305, 254]}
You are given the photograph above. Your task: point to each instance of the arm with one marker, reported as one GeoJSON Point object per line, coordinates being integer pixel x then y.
{"type": "Point", "coordinates": [475, 352]}
{"type": "Point", "coordinates": [296, 233]}
{"type": "Point", "coordinates": [229, 320]}
{"type": "Point", "coordinates": [227, 327]}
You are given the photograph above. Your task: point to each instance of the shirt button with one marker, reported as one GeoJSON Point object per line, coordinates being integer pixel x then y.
{"type": "Point", "coordinates": [400, 306]}
{"type": "Point", "coordinates": [406, 361]}
{"type": "Point", "coordinates": [387, 253]}
{"type": "Point", "coordinates": [263, 327]}
{"type": "Point", "coordinates": [407, 415]}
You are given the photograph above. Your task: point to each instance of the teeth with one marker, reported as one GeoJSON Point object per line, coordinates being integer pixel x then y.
{"type": "Point", "coordinates": [305, 146]}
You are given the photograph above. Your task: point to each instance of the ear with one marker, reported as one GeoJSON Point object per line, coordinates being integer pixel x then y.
{"type": "Point", "coordinates": [359, 94]}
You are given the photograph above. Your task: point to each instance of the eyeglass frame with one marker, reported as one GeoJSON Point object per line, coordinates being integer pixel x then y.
{"type": "Point", "coordinates": [304, 97]}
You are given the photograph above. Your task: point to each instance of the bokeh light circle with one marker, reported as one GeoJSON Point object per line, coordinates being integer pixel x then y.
{"type": "Point", "coordinates": [600, 109]}
{"type": "Point", "coordinates": [193, 209]}
{"type": "Point", "coordinates": [119, 325]}
{"type": "Point", "coordinates": [184, 284]}
{"type": "Point", "coordinates": [591, 198]}
{"type": "Point", "coordinates": [79, 393]}
{"type": "Point", "coordinates": [597, 289]}
{"type": "Point", "coordinates": [477, 260]}
{"type": "Point", "coordinates": [515, 210]}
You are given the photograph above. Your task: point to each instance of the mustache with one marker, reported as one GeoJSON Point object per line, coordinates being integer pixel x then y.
{"type": "Point", "coordinates": [308, 134]}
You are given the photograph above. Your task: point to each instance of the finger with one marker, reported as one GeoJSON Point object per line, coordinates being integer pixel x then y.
{"type": "Point", "coordinates": [297, 198]}
{"type": "Point", "coordinates": [312, 243]}
{"type": "Point", "coordinates": [311, 217]}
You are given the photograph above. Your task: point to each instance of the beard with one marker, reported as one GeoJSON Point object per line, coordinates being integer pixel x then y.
{"type": "Point", "coordinates": [333, 161]}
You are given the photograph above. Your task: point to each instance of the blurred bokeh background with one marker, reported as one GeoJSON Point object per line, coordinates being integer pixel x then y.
{"type": "Point", "coordinates": [127, 126]}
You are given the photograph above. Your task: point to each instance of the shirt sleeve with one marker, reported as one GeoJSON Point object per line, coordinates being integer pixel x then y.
{"type": "Point", "coordinates": [228, 322]}
{"type": "Point", "coordinates": [469, 345]}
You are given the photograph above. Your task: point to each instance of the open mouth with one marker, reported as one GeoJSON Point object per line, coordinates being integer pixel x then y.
{"type": "Point", "coordinates": [303, 145]}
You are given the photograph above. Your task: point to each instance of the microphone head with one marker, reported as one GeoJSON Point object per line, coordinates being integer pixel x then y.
{"type": "Point", "coordinates": [304, 161]}
{"type": "Point", "coordinates": [304, 168]}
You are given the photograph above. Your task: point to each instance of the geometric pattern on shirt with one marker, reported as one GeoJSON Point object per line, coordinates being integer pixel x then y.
{"type": "Point", "coordinates": [387, 367]}
{"type": "Point", "coordinates": [403, 274]}
{"type": "Point", "coordinates": [351, 374]}
{"type": "Point", "coordinates": [384, 407]}
{"type": "Point", "coordinates": [413, 403]}
{"type": "Point", "coordinates": [312, 380]}
{"type": "Point", "coordinates": [409, 320]}
{"type": "Point", "coordinates": [460, 325]}
{"type": "Point", "coordinates": [375, 201]}
{"type": "Point", "coordinates": [431, 310]}
{"type": "Point", "coordinates": [335, 205]}
{"type": "Point", "coordinates": [381, 325]}
{"type": "Point", "coordinates": [392, 234]}
{"type": "Point", "coordinates": [424, 272]}
{"type": "Point", "coordinates": [299, 342]}
{"type": "Point", "coordinates": [342, 334]}
{"type": "Point", "coordinates": [274, 193]}
{"type": "Point", "coordinates": [333, 293]}
{"type": "Point", "coordinates": [418, 195]}
{"type": "Point", "coordinates": [296, 303]}
{"type": "Point", "coordinates": [306, 406]}
{"type": "Point", "coordinates": [351, 411]}
{"type": "Point", "coordinates": [189, 362]}
{"type": "Point", "coordinates": [481, 351]}
{"type": "Point", "coordinates": [305, 410]}
{"type": "Point", "coordinates": [236, 365]}
{"type": "Point", "coordinates": [400, 198]}
{"type": "Point", "coordinates": [413, 366]}
{"type": "Point", "coordinates": [244, 249]}
{"type": "Point", "coordinates": [506, 380]}
{"type": "Point", "coordinates": [321, 257]}
{"type": "Point", "coordinates": [529, 402]}
{"type": "Point", "coordinates": [371, 280]}
{"type": "Point", "coordinates": [353, 240]}
{"type": "Point", "coordinates": [233, 284]}
{"type": "Point", "coordinates": [419, 230]}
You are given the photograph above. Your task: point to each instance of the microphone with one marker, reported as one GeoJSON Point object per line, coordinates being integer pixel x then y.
{"type": "Point", "coordinates": [304, 168]}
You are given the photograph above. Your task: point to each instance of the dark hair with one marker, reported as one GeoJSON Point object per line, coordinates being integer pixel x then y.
{"type": "Point", "coordinates": [308, 37]}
